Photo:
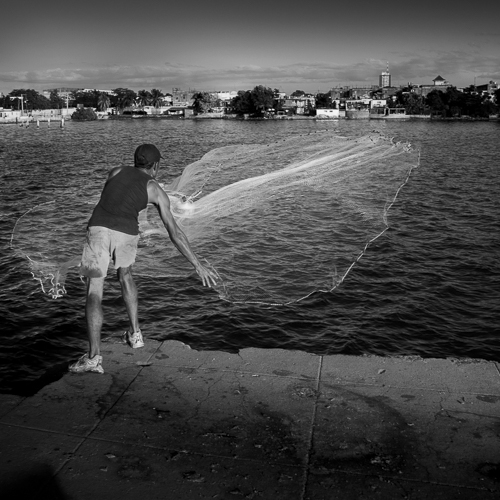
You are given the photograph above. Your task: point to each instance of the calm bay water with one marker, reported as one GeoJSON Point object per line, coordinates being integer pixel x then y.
{"type": "Point", "coordinates": [430, 286]}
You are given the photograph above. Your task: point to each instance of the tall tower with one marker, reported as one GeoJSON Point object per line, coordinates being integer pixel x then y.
{"type": "Point", "coordinates": [385, 78]}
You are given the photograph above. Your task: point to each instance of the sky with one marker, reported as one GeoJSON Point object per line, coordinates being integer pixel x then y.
{"type": "Point", "coordinates": [220, 45]}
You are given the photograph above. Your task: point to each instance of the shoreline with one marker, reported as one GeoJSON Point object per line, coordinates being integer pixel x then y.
{"type": "Point", "coordinates": [301, 117]}
{"type": "Point", "coordinates": [35, 120]}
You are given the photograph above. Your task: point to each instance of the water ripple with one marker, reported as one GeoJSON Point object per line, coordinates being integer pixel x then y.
{"type": "Point", "coordinates": [430, 286]}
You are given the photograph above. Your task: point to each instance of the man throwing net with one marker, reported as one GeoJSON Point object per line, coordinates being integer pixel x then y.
{"type": "Point", "coordinates": [113, 235]}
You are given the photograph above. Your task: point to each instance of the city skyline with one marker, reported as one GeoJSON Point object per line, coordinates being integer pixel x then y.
{"type": "Point", "coordinates": [222, 46]}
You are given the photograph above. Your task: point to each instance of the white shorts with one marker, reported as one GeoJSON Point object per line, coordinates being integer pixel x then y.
{"type": "Point", "coordinates": [103, 246]}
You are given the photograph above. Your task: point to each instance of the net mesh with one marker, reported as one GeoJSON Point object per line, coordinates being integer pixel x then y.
{"type": "Point", "coordinates": [51, 238]}
{"type": "Point", "coordinates": [277, 221]}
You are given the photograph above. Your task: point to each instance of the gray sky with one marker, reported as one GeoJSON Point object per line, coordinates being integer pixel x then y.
{"type": "Point", "coordinates": [234, 45]}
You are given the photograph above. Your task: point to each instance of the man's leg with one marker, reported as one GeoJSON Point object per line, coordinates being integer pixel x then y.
{"type": "Point", "coordinates": [93, 314]}
{"type": "Point", "coordinates": [129, 293]}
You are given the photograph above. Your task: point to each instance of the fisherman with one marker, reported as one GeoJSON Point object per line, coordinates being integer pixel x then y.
{"type": "Point", "coordinates": [113, 234]}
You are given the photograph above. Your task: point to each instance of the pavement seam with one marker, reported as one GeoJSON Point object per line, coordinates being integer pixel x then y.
{"type": "Point", "coordinates": [196, 453]}
{"type": "Point", "coordinates": [142, 445]}
{"type": "Point", "coordinates": [311, 431]}
{"type": "Point", "coordinates": [410, 480]}
{"type": "Point", "coordinates": [446, 392]}
{"type": "Point", "coordinates": [141, 368]}
{"type": "Point", "coordinates": [23, 398]}
{"type": "Point", "coordinates": [40, 429]}
{"type": "Point", "coordinates": [94, 427]}
{"type": "Point", "coordinates": [222, 370]}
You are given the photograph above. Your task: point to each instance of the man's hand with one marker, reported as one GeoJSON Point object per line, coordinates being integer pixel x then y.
{"type": "Point", "coordinates": [208, 277]}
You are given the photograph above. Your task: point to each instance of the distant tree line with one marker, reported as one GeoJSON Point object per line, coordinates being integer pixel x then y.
{"type": "Point", "coordinates": [259, 101]}
{"type": "Point", "coordinates": [122, 98]}
{"type": "Point", "coordinates": [126, 98]}
{"type": "Point", "coordinates": [205, 102]}
{"type": "Point", "coordinates": [29, 100]}
{"type": "Point", "coordinates": [254, 102]}
{"type": "Point", "coordinates": [449, 103]}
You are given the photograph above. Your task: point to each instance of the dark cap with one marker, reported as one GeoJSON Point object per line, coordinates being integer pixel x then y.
{"type": "Point", "coordinates": [146, 154]}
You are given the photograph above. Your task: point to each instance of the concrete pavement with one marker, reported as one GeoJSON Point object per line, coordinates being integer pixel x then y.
{"type": "Point", "coordinates": [168, 422]}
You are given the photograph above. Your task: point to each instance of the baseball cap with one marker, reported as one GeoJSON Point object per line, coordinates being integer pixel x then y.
{"type": "Point", "coordinates": [146, 154]}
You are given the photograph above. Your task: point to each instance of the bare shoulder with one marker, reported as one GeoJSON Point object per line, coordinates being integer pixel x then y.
{"type": "Point", "coordinates": [156, 193]}
{"type": "Point", "coordinates": [114, 171]}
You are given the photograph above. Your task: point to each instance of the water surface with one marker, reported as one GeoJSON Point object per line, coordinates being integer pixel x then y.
{"type": "Point", "coordinates": [429, 287]}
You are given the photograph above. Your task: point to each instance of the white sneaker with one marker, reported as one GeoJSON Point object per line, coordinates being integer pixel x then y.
{"type": "Point", "coordinates": [86, 364]}
{"type": "Point", "coordinates": [134, 340]}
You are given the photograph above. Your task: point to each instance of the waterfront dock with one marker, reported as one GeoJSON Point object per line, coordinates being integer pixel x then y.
{"type": "Point", "coordinates": [34, 119]}
{"type": "Point", "coordinates": [166, 421]}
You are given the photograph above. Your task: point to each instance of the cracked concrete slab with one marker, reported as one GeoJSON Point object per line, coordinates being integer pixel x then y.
{"type": "Point", "coordinates": [388, 431]}
{"type": "Point", "coordinates": [152, 473]}
{"type": "Point", "coordinates": [465, 376]}
{"type": "Point", "coordinates": [8, 402]}
{"type": "Point", "coordinates": [170, 422]}
{"type": "Point", "coordinates": [229, 414]}
{"type": "Point", "coordinates": [30, 460]}
{"type": "Point", "coordinates": [75, 403]}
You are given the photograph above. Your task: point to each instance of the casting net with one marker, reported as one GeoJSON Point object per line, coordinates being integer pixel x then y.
{"type": "Point", "coordinates": [277, 221]}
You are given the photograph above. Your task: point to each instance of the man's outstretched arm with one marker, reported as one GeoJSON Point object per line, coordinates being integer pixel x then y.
{"type": "Point", "coordinates": [159, 198]}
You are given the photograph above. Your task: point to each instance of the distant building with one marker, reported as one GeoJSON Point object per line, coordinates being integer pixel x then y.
{"type": "Point", "coordinates": [64, 92]}
{"type": "Point", "coordinates": [327, 113]}
{"type": "Point", "coordinates": [439, 83]}
{"type": "Point", "coordinates": [362, 92]}
{"type": "Point", "coordinates": [182, 98]}
{"type": "Point", "coordinates": [384, 79]}
{"type": "Point", "coordinates": [439, 80]}
{"type": "Point", "coordinates": [488, 88]}
{"type": "Point", "coordinates": [387, 92]}
{"type": "Point", "coordinates": [226, 95]}
{"type": "Point", "coordinates": [299, 105]}
{"type": "Point", "coordinates": [10, 115]}
{"type": "Point", "coordinates": [378, 103]}
{"type": "Point", "coordinates": [338, 92]}
{"type": "Point", "coordinates": [100, 91]}
{"type": "Point", "coordinates": [357, 104]}
{"type": "Point", "coordinates": [348, 92]}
